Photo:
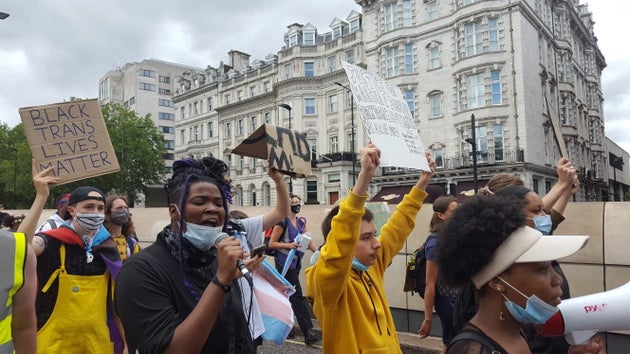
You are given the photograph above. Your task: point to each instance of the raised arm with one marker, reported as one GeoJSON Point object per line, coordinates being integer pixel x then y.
{"type": "Point", "coordinates": [425, 176]}
{"type": "Point", "coordinates": [370, 159]}
{"type": "Point", "coordinates": [566, 176]}
{"type": "Point", "coordinates": [282, 208]}
{"type": "Point", "coordinates": [42, 181]}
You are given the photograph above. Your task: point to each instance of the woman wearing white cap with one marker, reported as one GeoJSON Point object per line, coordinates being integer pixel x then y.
{"type": "Point", "coordinates": [509, 264]}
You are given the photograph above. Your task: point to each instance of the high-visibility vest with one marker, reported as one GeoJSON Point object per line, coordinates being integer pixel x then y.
{"type": "Point", "coordinates": [12, 263]}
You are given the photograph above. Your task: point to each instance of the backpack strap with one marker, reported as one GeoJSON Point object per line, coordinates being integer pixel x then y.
{"type": "Point", "coordinates": [474, 336]}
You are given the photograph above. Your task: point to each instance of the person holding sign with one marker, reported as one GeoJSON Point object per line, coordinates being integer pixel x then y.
{"type": "Point", "coordinates": [346, 281]}
{"type": "Point", "coordinates": [181, 294]}
{"type": "Point", "coordinates": [284, 238]}
{"type": "Point", "coordinates": [75, 263]}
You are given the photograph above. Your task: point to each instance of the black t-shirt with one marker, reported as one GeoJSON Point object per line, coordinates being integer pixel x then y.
{"type": "Point", "coordinates": [152, 300]}
{"type": "Point", "coordinates": [471, 346]}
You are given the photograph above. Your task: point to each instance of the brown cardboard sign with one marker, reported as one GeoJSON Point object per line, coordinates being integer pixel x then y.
{"type": "Point", "coordinates": [287, 150]}
{"type": "Point", "coordinates": [71, 137]}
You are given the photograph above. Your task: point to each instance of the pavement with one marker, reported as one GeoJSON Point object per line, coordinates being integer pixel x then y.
{"type": "Point", "coordinates": [410, 343]}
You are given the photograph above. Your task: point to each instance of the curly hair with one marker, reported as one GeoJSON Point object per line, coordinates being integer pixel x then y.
{"type": "Point", "coordinates": [128, 229]}
{"type": "Point", "coordinates": [190, 171]}
{"type": "Point", "coordinates": [440, 205]}
{"type": "Point", "coordinates": [473, 233]}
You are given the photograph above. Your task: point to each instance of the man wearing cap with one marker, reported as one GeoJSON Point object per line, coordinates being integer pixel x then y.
{"type": "Point", "coordinates": [58, 218]}
{"type": "Point", "coordinates": [74, 263]}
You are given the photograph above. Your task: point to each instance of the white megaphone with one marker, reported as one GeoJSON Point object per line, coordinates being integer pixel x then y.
{"type": "Point", "coordinates": [581, 317]}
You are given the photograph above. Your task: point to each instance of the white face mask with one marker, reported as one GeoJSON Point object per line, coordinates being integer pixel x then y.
{"type": "Point", "coordinates": [200, 236]}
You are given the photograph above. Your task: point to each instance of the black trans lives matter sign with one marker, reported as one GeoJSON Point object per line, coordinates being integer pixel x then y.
{"type": "Point", "coordinates": [71, 137]}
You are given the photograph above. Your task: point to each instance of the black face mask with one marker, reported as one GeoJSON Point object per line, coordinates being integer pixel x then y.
{"type": "Point", "coordinates": [296, 208]}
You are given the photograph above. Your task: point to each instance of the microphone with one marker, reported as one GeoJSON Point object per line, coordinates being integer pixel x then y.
{"type": "Point", "coordinates": [239, 263]}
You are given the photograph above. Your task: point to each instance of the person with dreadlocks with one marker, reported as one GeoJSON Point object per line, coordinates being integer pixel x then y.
{"type": "Point", "coordinates": [182, 294]}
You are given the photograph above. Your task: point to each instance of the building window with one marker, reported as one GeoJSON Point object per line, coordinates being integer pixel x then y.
{"type": "Point", "coordinates": [165, 79]}
{"type": "Point", "coordinates": [209, 104]}
{"type": "Point", "coordinates": [132, 101]}
{"type": "Point", "coordinates": [267, 118]}
{"type": "Point", "coordinates": [334, 178]}
{"type": "Point", "coordinates": [196, 136]}
{"type": "Point", "coordinates": [266, 86]}
{"type": "Point", "coordinates": [182, 113]}
{"type": "Point", "coordinates": [476, 94]}
{"type": "Point", "coordinates": [169, 144]}
{"type": "Point", "coordinates": [481, 135]}
{"type": "Point", "coordinates": [354, 25]}
{"type": "Point", "coordinates": [408, 58]}
{"type": "Point", "coordinates": [391, 62]}
{"type": "Point", "coordinates": [434, 58]}
{"type": "Point", "coordinates": [166, 116]}
{"type": "Point", "coordinates": [493, 34]}
{"type": "Point", "coordinates": [474, 40]}
{"type": "Point", "coordinates": [165, 103]}
{"type": "Point", "coordinates": [495, 86]}
{"type": "Point", "coordinates": [410, 98]}
{"type": "Point", "coordinates": [163, 91]}
{"type": "Point", "coordinates": [309, 69]}
{"type": "Point", "coordinates": [228, 129]}
{"type": "Point", "coordinates": [287, 71]}
{"type": "Point", "coordinates": [166, 130]}
{"type": "Point", "coordinates": [349, 142]}
{"type": "Point", "coordinates": [145, 86]}
{"type": "Point", "coordinates": [333, 105]}
{"type": "Point", "coordinates": [210, 129]}
{"type": "Point", "coordinates": [391, 18]}
{"type": "Point", "coordinates": [432, 10]}
{"type": "Point", "coordinates": [337, 32]}
{"type": "Point", "coordinates": [227, 98]}
{"type": "Point", "coordinates": [333, 144]}
{"type": "Point", "coordinates": [497, 135]}
{"type": "Point", "coordinates": [182, 136]}
{"type": "Point", "coordinates": [564, 111]}
{"type": "Point", "coordinates": [311, 192]}
{"type": "Point", "coordinates": [104, 89]}
{"type": "Point", "coordinates": [332, 64]}
{"type": "Point", "coordinates": [252, 91]}
{"type": "Point", "coordinates": [309, 38]}
{"type": "Point", "coordinates": [240, 129]}
{"type": "Point", "coordinates": [312, 144]}
{"type": "Point", "coordinates": [293, 40]}
{"type": "Point", "coordinates": [436, 105]}
{"type": "Point", "coordinates": [147, 73]}
{"type": "Point", "coordinates": [239, 95]}
{"type": "Point", "coordinates": [253, 123]}
{"type": "Point", "coordinates": [309, 106]}
{"type": "Point", "coordinates": [437, 156]}
{"type": "Point", "coordinates": [406, 13]}
{"type": "Point", "coordinates": [350, 56]}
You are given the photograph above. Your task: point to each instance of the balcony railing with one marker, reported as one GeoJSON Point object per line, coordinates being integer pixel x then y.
{"type": "Point", "coordinates": [465, 160]}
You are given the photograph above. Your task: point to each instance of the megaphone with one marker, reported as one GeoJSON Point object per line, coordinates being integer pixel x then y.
{"type": "Point", "coordinates": [581, 317]}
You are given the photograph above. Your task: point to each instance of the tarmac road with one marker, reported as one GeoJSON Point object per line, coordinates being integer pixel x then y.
{"type": "Point", "coordinates": [290, 346]}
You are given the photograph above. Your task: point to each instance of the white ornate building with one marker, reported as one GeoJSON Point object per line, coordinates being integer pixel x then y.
{"type": "Point", "coordinates": [499, 60]}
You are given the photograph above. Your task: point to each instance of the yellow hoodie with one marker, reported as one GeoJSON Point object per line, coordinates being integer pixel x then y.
{"type": "Point", "coordinates": [351, 306]}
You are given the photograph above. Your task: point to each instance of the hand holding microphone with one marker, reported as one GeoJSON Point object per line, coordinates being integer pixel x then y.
{"type": "Point", "coordinates": [230, 253]}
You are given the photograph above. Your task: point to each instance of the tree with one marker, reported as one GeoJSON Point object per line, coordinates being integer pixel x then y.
{"type": "Point", "coordinates": [139, 148]}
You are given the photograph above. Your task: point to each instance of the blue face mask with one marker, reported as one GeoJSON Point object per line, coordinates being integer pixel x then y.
{"type": "Point", "coordinates": [358, 265]}
{"type": "Point", "coordinates": [536, 311]}
{"type": "Point", "coordinates": [543, 224]}
{"type": "Point", "coordinates": [200, 236]}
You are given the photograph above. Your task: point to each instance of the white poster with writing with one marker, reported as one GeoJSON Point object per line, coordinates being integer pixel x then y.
{"type": "Point", "coordinates": [387, 119]}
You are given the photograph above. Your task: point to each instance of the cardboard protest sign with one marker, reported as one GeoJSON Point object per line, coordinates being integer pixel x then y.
{"type": "Point", "coordinates": [71, 137]}
{"type": "Point", "coordinates": [387, 119]}
{"type": "Point", "coordinates": [287, 150]}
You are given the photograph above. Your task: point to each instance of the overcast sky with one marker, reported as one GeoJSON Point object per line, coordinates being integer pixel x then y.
{"type": "Point", "coordinates": [53, 49]}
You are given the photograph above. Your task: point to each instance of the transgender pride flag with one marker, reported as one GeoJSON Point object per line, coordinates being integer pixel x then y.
{"type": "Point", "coordinates": [272, 292]}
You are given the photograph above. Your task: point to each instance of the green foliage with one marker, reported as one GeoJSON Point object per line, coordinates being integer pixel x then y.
{"type": "Point", "coordinates": [138, 144]}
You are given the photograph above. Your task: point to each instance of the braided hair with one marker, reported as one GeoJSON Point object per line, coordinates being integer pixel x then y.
{"type": "Point", "coordinates": [190, 171]}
